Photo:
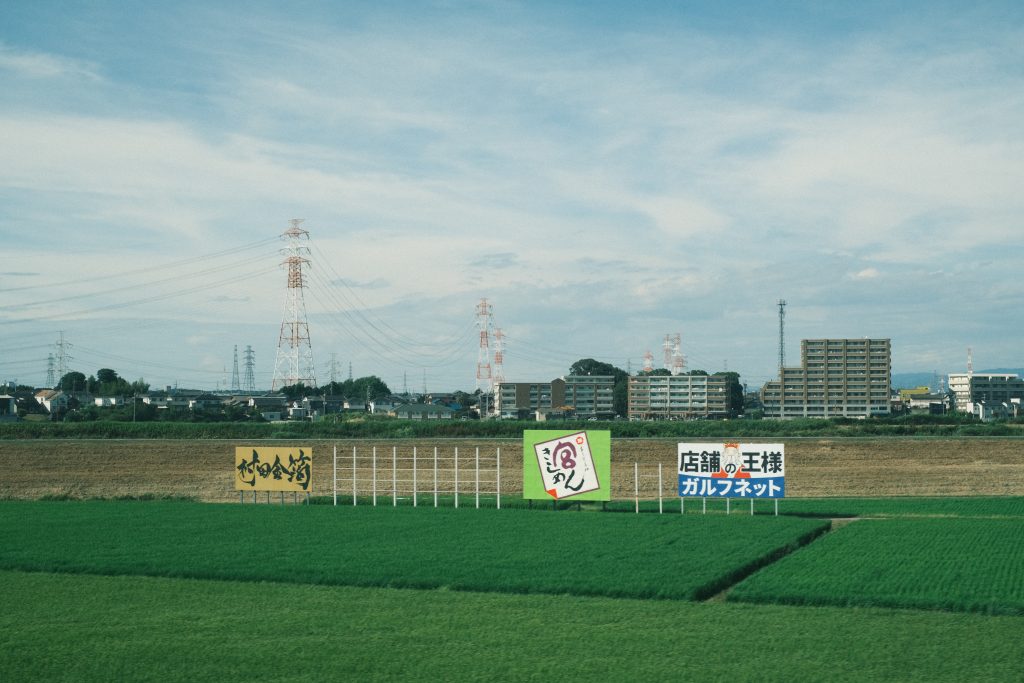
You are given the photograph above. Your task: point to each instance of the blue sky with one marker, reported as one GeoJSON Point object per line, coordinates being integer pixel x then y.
{"type": "Point", "coordinates": [605, 175]}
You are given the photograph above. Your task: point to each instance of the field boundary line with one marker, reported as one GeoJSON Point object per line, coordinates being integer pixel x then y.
{"type": "Point", "coordinates": [721, 592]}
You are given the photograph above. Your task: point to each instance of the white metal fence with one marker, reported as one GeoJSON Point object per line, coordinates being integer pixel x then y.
{"type": "Point", "coordinates": [472, 476]}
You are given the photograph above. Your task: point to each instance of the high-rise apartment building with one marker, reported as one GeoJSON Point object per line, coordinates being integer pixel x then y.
{"type": "Point", "coordinates": [836, 378]}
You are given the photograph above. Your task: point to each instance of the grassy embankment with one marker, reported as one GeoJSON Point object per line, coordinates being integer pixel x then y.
{"type": "Point", "coordinates": [383, 427]}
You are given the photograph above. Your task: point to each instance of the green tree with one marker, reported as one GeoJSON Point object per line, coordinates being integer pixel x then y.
{"type": "Point", "coordinates": [734, 392]}
{"type": "Point", "coordinates": [106, 376]}
{"type": "Point", "coordinates": [72, 381]}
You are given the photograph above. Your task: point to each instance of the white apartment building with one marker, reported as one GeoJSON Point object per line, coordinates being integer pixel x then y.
{"type": "Point", "coordinates": [989, 389]}
{"type": "Point", "coordinates": [677, 397]}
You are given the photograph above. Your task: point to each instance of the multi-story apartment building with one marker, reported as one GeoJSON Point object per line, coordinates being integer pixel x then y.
{"type": "Point", "coordinates": [584, 395]}
{"type": "Point", "coordinates": [677, 397]}
{"type": "Point", "coordinates": [836, 378]}
{"type": "Point", "coordinates": [985, 388]}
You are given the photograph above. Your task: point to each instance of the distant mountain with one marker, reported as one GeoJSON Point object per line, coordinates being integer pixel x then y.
{"type": "Point", "coordinates": [912, 380]}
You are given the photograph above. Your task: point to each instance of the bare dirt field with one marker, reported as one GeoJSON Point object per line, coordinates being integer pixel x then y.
{"type": "Point", "coordinates": [204, 469]}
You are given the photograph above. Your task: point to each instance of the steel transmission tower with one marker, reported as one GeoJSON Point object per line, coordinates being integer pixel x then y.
{"type": "Point", "coordinates": [332, 369]}
{"type": "Point", "coordinates": [249, 379]}
{"type": "Point", "coordinates": [236, 384]}
{"type": "Point", "coordinates": [484, 377]}
{"type": "Point", "coordinates": [294, 362]}
{"type": "Point", "coordinates": [678, 362]}
{"type": "Point", "coordinates": [499, 356]}
{"type": "Point", "coordinates": [63, 357]}
{"type": "Point", "coordinates": [51, 371]}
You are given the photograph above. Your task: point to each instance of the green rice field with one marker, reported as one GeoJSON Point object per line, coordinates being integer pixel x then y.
{"type": "Point", "coordinates": [956, 564]}
{"type": "Point", "coordinates": [668, 556]}
{"type": "Point", "coordinates": [181, 591]}
{"type": "Point", "coordinates": [101, 628]}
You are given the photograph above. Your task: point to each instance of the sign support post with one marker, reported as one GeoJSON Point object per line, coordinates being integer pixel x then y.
{"type": "Point", "coordinates": [374, 476]}
{"type": "Point", "coordinates": [660, 511]}
{"type": "Point", "coordinates": [334, 487]}
{"type": "Point", "coordinates": [476, 483]}
{"type": "Point", "coordinates": [394, 476]}
{"type": "Point", "coordinates": [414, 476]}
{"type": "Point", "coordinates": [435, 476]}
{"type": "Point", "coordinates": [456, 476]}
{"type": "Point", "coordinates": [497, 471]}
{"type": "Point", "coordinates": [354, 476]}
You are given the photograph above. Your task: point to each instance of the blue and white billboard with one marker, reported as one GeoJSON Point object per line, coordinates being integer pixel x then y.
{"type": "Point", "coordinates": [732, 470]}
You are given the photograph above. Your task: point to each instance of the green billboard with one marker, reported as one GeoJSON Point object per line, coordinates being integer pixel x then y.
{"type": "Point", "coordinates": [563, 464]}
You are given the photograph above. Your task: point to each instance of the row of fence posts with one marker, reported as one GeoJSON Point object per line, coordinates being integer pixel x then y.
{"type": "Point", "coordinates": [476, 485]}
{"type": "Point", "coordinates": [682, 499]}
{"type": "Point", "coordinates": [415, 484]}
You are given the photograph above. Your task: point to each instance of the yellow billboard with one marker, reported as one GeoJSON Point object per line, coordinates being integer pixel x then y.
{"type": "Point", "coordinates": [273, 468]}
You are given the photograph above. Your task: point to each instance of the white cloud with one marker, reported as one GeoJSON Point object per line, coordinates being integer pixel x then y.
{"type": "Point", "coordinates": [866, 274]}
{"type": "Point", "coordinates": [42, 65]}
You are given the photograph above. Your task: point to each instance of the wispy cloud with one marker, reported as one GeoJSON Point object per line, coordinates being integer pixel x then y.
{"type": "Point", "coordinates": [31, 64]}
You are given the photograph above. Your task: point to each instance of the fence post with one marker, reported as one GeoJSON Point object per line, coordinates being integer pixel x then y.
{"type": "Point", "coordinates": [334, 488]}
{"type": "Point", "coordinates": [727, 501]}
{"type": "Point", "coordinates": [414, 476]}
{"type": "Point", "coordinates": [456, 476]}
{"type": "Point", "coordinates": [498, 471]}
{"type": "Point", "coordinates": [636, 485]}
{"type": "Point", "coordinates": [354, 499]}
{"type": "Point", "coordinates": [660, 510]}
{"type": "Point", "coordinates": [435, 476]}
{"type": "Point", "coordinates": [394, 476]}
{"type": "Point", "coordinates": [374, 476]}
{"type": "Point", "coordinates": [751, 507]}
{"type": "Point", "coordinates": [476, 484]}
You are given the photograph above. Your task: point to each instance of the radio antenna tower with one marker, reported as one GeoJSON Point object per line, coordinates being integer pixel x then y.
{"type": "Point", "coordinates": [483, 358]}
{"type": "Point", "coordinates": [499, 356]}
{"type": "Point", "coordinates": [294, 362]}
{"type": "Point", "coordinates": [51, 372]}
{"type": "Point", "coordinates": [63, 357]}
{"type": "Point", "coordinates": [782, 336]}
{"type": "Point", "coordinates": [648, 361]}
{"type": "Point", "coordinates": [236, 383]}
{"type": "Point", "coordinates": [678, 362]}
{"type": "Point", "coordinates": [249, 379]}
